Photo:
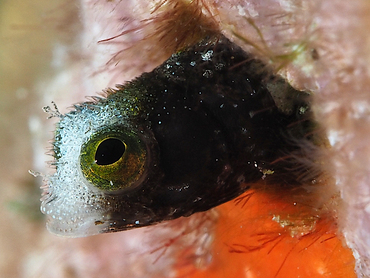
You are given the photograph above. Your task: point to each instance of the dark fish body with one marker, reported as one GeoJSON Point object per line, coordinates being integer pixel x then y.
{"type": "Point", "coordinates": [195, 132]}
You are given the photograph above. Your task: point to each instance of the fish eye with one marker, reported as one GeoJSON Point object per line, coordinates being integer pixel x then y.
{"type": "Point", "coordinates": [109, 151]}
{"type": "Point", "coordinates": [113, 160]}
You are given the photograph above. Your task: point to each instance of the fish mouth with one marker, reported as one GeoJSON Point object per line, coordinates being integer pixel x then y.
{"type": "Point", "coordinates": [73, 216]}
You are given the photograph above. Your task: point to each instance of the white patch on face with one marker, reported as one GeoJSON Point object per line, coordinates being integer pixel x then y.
{"type": "Point", "coordinates": [72, 204]}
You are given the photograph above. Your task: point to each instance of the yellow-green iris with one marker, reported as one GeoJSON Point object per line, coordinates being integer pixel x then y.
{"type": "Point", "coordinates": [113, 159]}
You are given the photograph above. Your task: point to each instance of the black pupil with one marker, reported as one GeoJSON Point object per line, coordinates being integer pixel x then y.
{"type": "Point", "coordinates": [109, 151]}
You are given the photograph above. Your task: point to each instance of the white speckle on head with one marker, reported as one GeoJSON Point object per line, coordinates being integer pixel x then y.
{"type": "Point", "coordinates": [207, 73]}
{"type": "Point", "coordinates": [207, 56]}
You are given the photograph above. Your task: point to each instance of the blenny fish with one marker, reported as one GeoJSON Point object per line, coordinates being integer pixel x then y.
{"type": "Point", "coordinates": [197, 131]}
